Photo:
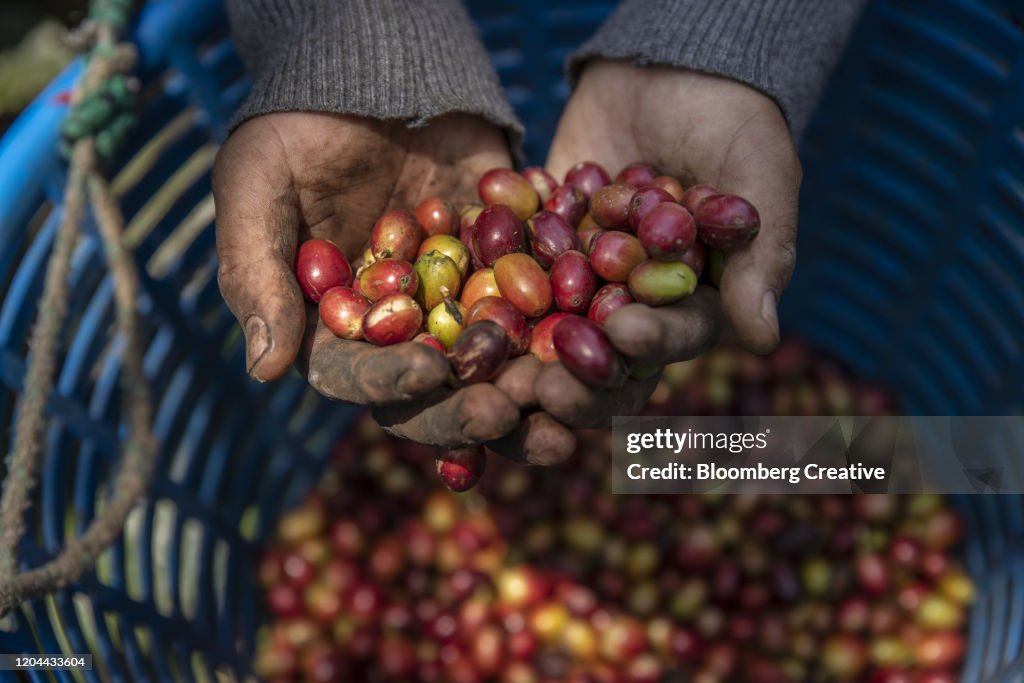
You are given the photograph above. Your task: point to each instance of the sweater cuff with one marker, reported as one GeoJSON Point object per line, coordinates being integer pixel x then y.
{"type": "Point", "coordinates": [784, 48]}
{"type": "Point", "coordinates": [385, 59]}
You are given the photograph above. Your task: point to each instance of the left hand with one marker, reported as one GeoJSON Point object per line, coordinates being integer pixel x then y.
{"type": "Point", "coordinates": [699, 128]}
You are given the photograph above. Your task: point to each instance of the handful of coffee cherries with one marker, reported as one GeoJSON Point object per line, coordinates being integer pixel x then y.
{"type": "Point", "coordinates": [535, 267]}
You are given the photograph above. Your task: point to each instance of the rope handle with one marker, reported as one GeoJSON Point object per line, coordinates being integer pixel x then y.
{"type": "Point", "coordinates": [101, 114]}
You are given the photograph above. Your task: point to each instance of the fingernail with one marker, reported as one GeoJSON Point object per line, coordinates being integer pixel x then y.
{"type": "Point", "coordinates": [768, 312]}
{"type": "Point", "coordinates": [257, 343]}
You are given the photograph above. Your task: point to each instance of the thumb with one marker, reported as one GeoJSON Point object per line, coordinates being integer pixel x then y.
{"type": "Point", "coordinates": [257, 231]}
{"type": "Point", "coordinates": [756, 275]}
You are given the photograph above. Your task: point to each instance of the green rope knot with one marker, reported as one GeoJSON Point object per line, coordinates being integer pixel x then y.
{"type": "Point", "coordinates": [117, 13]}
{"type": "Point", "coordinates": [105, 113]}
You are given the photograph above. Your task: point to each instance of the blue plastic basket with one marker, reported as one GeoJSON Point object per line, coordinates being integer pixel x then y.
{"type": "Point", "coordinates": [930, 99]}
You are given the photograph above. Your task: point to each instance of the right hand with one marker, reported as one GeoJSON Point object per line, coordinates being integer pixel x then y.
{"type": "Point", "coordinates": [285, 177]}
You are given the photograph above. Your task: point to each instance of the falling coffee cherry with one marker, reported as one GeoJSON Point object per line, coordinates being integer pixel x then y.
{"type": "Point", "coordinates": [461, 468]}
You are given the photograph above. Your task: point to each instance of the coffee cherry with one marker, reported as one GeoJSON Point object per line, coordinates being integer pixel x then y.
{"type": "Point", "coordinates": [587, 236]}
{"type": "Point", "coordinates": [541, 180]}
{"type": "Point", "coordinates": [480, 284]}
{"type": "Point", "coordinates": [297, 570]}
{"type": "Point", "coordinates": [615, 254]}
{"type": "Point", "coordinates": [872, 572]}
{"type": "Point", "coordinates": [641, 204]}
{"type": "Point", "coordinates": [479, 352]}
{"type": "Point", "coordinates": [505, 186]}
{"type": "Point", "coordinates": [891, 651]}
{"type": "Point", "coordinates": [905, 552]}
{"type": "Point", "coordinates": [844, 657]}
{"type": "Point", "coordinates": [542, 346]}
{"type": "Point", "coordinates": [488, 650]}
{"type": "Point", "coordinates": [694, 257]}
{"type": "Point", "coordinates": [942, 529]}
{"type": "Point", "coordinates": [939, 650]}
{"type": "Point", "coordinates": [320, 266]}
{"type": "Point", "coordinates": [501, 311]}
{"type": "Point", "coordinates": [520, 586]}
{"type": "Point", "coordinates": [364, 601]}
{"type": "Point", "coordinates": [608, 299]}
{"type": "Point", "coordinates": [301, 524]}
{"type": "Point", "coordinates": [497, 232]}
{"type": "Point", "coordinates": [296, 632]}
{"type": "Point", "coordinates": [395, 318]}
{"type": "Point", "coordinates": [623, 640]}
{"type": "Point", "coordinates": [588, 354]}
{"type": "Point", "coordinates": [550, 236]}
{"type": "Point", "coordinates": [667, 231]}
{"type": "Point", "coordinates": [342, 309]}
{"type": "Point", "coordinates": [323, 603]}
{"type": "Point", "coordinates": [587, 177]}
{"type": "Point", "coordinates": [522, 281]}
{"type": "Point", "coordinates": [450, 247]}
{"type": "Point", "coordinates": [853, 614]}
{"type": "Point", "coordinates": [387, 276]}
{"type": "Point", "coordinates": [659, 283]}
{"type": "Point", "coordinates": [284, 600]}
{"type": "Point", "coordinates": [276, 662]}
{"type": "Point", "coordinates": [396, 234]}
{"type": "Point", "coordinates": [610, 206]}
{"type": "Point", "coordinates": [460, 468]}
{"type": "Point", "coordinates": [637, 174]}
{"type": "Point", "coordinates": [446, 321]}
{"type": "Point", "coordinates": [670, 185]}
{"type": "Point", "coordinates": [938, 677]}
{"type": "Point", "coordinates": [727, 222]}
{"type": "Point", "coordinates": [346, 538]}
{"type": "Point", "coordinates": [467, 219]}
{"type": "Point", "coordinates": [694, 196]}
{"type": "Point", "coordinates": [956, 586]}
{"type": "Point", "coordinates": [439, 277]}
{"type": "Point", "coordinates": [396, 658]}
{"type": "Point", "coordinates": [567, 202]}
{"type": "Point", "coordinates": [429, 340]}
{"type": "Point", "coordinates": [437, 216]}
{"type": "Point", "coordinates": [573, 282]}
{"type": "Point", "coordinates": [889, 675]}
{"type": "Point", "coordinates": [936, 612]}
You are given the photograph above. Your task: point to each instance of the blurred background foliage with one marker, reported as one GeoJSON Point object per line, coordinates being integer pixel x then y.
{"type": "Point", "coordinates": [32, 48]}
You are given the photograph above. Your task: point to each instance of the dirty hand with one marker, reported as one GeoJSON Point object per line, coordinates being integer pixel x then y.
{"type": "Point", "coordinates": [699, 128]}
{"type": "Point", "coordinates": [283, 178]}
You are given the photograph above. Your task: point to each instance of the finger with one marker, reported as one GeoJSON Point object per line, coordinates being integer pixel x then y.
{"type": "Point", "coordinates": [756, 275]}
{"type": "Point", "coordinates": [474, 414]}
{"type": "Point", "coordinates": [668, 334]}
{"type": "Point", "coordinates": [257, 229]}
{"type": "Point", "coordinates": [359, 372]}
{"type": "Point", "coordinates": [573, 403]}
{"type": "Point", "coordinates": [518, 378]}
{"type": "Point", "coordinates": [538, 440]}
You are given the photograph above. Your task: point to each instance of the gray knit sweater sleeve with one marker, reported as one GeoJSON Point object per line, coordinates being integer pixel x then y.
{"type": "Point", "coordinates": [785, 48]}
{"type": "Point", "coordinates": [392, 59]}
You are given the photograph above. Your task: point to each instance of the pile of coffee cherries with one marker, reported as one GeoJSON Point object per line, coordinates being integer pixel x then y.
{"type": "Point", "coordinates": [791, 381]}
{"type": "Point", "coordinates": [544, 576]}
{"type": "Point", "coordinates": [535, 268]}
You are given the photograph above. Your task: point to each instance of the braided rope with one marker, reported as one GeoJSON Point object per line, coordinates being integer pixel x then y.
{"type": "Point", "coordinates": [95, 126]}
